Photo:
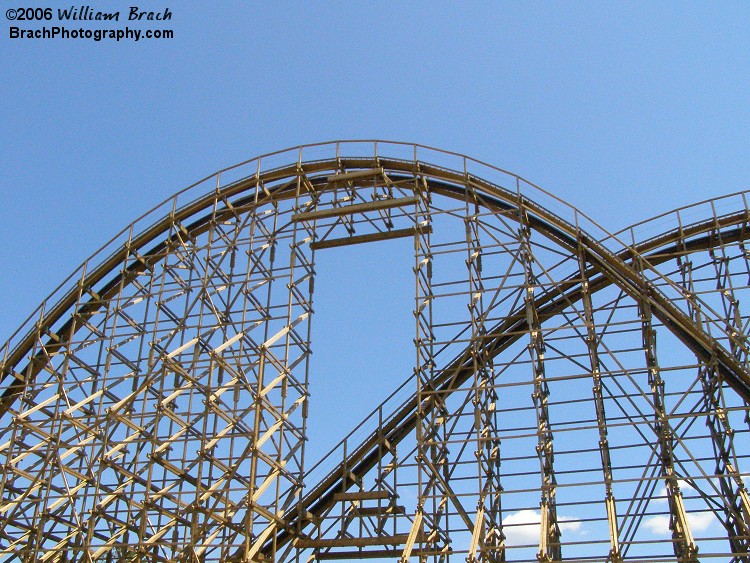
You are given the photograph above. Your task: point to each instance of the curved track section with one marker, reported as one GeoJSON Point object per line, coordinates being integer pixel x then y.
{"type": "Point", "coordinates": [576, 395]}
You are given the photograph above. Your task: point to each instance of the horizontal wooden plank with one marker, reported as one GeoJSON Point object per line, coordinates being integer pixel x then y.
{"type": "Point", "coordinates": [377, 554]}
{"type": "Point", "coordinates": [377, 205]}
{"type": "Point", "coordinates": [362, 495]}
{"type": "Point", "coordinates": [378, 510]}
{"type": "Point", "coordinates": [372, 237]}
{"type": "Point", "coordinates": [357, 554]}
{"type": "Point", "coordinates": [398, 539]}
{"type": "Point", "coordinates": [355, 175]}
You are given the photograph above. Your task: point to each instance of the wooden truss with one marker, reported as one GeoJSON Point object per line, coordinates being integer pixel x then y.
{"type": "Point", "coordinates": [576, 395]}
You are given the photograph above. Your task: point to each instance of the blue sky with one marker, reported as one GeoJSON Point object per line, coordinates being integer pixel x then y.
{"type": "Point", "coordinates": [622, 109]}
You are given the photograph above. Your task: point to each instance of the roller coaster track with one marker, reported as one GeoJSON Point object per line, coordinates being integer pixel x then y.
{"type": "Point", "coordinates": [182, 426]}
{"type": "Point", "coordinates": [364, 456]}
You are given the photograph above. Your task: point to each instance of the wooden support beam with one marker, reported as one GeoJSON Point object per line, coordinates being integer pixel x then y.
{"type": "Point", "coordinates": [258, 543]}
{"type": "Point", "coordinates": [416, 530]}
{"type": "Point", "coordinates": [397, 539]}
{"type": "Point", "coordinates": [355, 175]}
{"type": "Point", "coordinates": [379, 511]}
{"type": "Point", "coordinates": [362, 495]}
{"type": "Point", "coordinates": [378, 554]}
{"type": "Point", "coordinates": [370, 237]}
{"type": "Point", "coordinates": [377, 205]}
{"type": "Point", "coordinates": [476, 534]}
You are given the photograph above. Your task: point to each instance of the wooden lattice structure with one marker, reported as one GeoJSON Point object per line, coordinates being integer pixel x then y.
{"type": "Point", "coordinates": [576, 395]}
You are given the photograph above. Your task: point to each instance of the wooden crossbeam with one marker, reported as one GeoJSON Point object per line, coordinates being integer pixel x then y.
{"type": "Point", "coordinates": [370, 237]}
{"type": "Point", "coordinates": [362, 495]}
{"type": "Point", "coordinates": [396, 539]}
{"type": "Point", "coordinates": [377, 205]}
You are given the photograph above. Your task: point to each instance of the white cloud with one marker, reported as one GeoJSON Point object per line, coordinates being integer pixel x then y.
{"type": "Point", "coordinates": [570, 524]}
{"type": "Point", "coordinates": [661, 494]}
{"type": "Point", "coordinates": [698, 522]}
{"type": "Point", "coordinates": [658, 525]}
{"type": "Point", "coordinates": [522, 527]}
